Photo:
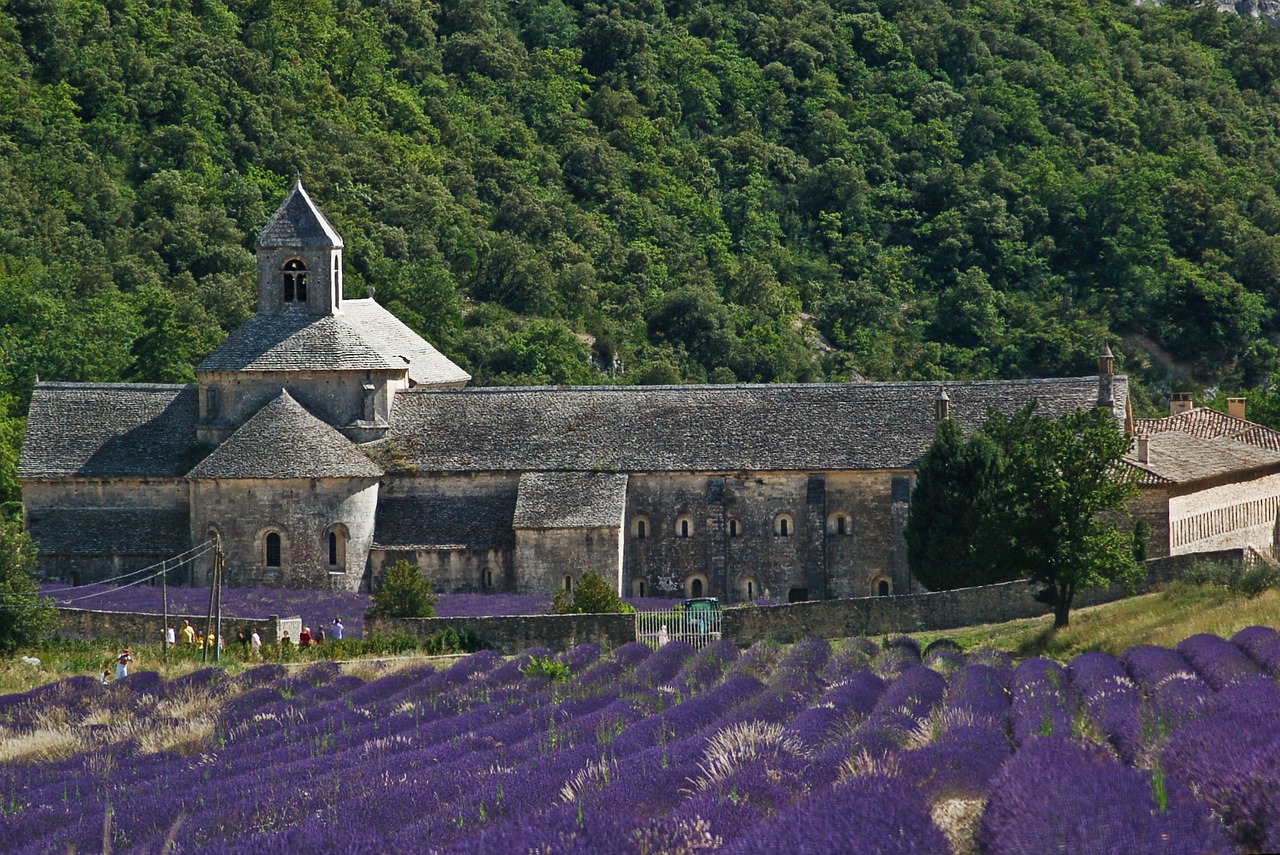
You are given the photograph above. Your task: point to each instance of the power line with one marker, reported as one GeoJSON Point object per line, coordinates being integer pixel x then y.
{"type": "Point", "coordinates": [165, 566]}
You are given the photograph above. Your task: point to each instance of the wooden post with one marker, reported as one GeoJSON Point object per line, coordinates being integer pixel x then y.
{"type": "Point", "coordinates": [208, 621]}
{"type": "Point", "coordinates": [217, 583]}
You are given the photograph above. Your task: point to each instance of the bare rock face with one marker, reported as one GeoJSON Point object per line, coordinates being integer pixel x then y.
{"type": "Point", "coordinates": [1268, 10]}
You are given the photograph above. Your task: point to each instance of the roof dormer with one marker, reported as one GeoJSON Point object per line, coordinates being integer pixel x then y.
{"type": "Point", "coordinates": [299, 259]}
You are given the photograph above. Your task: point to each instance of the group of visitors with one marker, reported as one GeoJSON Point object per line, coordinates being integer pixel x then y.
{"type": "Point", "coordinates": [250, 643]}
{"type": "Point", "coordinates": [331, 633]}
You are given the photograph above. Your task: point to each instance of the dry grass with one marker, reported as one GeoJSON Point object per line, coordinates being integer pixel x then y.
{"type": "Point", "coordinates": [1164, 619]}
{"type": "Point", "coordinates": [958, 819]}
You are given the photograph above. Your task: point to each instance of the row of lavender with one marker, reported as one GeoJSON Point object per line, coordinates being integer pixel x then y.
{"type": "Point", "coordinates": [863, 749]}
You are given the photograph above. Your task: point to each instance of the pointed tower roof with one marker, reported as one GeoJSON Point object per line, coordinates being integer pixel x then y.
{"type": "Point", "coordinates": [283, 440]}
{"type": "Point", "coordinates": [298, 222]}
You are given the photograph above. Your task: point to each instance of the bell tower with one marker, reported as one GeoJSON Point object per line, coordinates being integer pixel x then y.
{"type": "Point", "coordinates": [299, 259]}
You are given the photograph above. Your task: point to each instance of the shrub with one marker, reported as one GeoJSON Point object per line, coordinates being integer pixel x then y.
{"type": "Point", "coordinates": [591, 596]}
{"type": "Point", "coordinates": [404, 593]}
{"type": "Point", "coordinates": [553, 669]}
{"type": "Point", "coordinates": [1239, 577]}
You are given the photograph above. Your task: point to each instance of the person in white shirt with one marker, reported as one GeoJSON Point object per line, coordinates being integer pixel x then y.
{"type": "Point", "coordinates": [337, 629]}
{"type": "Point", "coordinates": [255, 642]}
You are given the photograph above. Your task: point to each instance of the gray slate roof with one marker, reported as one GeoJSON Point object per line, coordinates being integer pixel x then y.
{"type": "Point", "coordinates": [109, 531]}
{"type": "Point", "coordinates": [570, 500]}
{"type": "Point", "coordinates": [283, 440]}
{"type": "Point", "coordinates": [1178, 458]}
{"type": "Point", "coordinates": [393, 339]}
{"type": "Point", "coordinates": [110, 430]}
{"type": "Point", "coordinates": [365, 336]}
{"type": "Point", "coordinates": [702, 428]}
{"type": "Point", "coordinates": [295, 340]}
{"type": "Point", "coordinates": [435, 521]}
{"type": "Point", "coordinates": [299, 223]}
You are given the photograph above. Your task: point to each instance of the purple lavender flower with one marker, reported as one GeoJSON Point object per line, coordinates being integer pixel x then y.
{"type": "Point", "coordinates": [1219, 662]}
{"type": "Point", "coordinates": [1262, 644]}
{"type": "Point", "coordinates": [1055, 796]}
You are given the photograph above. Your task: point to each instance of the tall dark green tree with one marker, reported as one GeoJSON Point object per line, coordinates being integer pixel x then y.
{"type": "Point", "coordinates": [954, 496]}
{"type": "Point", "coordinates": [25, 616]}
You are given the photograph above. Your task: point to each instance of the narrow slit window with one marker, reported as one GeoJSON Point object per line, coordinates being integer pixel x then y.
{"type": "Point", "coordinates": [273, 550]}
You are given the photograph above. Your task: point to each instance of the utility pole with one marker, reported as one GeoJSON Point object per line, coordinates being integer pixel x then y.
{"type": "Point", "coordinates": [164, 626]}
{"type": "Point", "coordinates": [217, 581]}
{"type": "Point", "coordinates": [213, 589]}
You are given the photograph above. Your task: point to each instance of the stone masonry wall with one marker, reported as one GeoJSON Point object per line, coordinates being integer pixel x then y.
{"type": "Point", "coordinates": [142, 628]}
{"type": "Point", "coordinates": [927, 612]}
{"type": "Point", "coordinates": [1225, 516]}
{"type": "Point", "coordinates": [514, 634]}
{"type": "Point", "coordinates": [543, 557]}
{"type": "Point", "coordinates": [735, 543]}
{"type": "Point", "coordinates": [302, 511]}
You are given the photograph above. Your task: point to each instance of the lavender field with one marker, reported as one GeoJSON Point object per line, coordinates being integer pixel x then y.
{"type": "Point", "coordinates": [863, 748]}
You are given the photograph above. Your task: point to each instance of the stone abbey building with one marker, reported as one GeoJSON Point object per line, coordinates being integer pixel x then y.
{"type": "Point", "coordinates": [325, 439]}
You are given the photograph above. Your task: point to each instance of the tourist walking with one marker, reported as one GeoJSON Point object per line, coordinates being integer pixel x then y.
{"type": "Point", "coordinates": [255, 643]}
{"type": "Point", "coordinates": [304, 640]}
{"type": "Point", "coordinates": [336, 631]}
{"type": "Point", "coordinates": [170, 635]}
{"type": "Point", "coordinates": [122, 664]}
{"type": "Point", "coordinates": [188, 633]}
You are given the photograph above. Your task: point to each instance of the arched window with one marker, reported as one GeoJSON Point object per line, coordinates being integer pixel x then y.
{"type": "Point", "coordinates": [883, 588]}
{"type": "Point", "coordinates": [696, 586]}
{"type": "Point", "coordinates": [840, 524]}
{"type": "Point", "coordinates": [74, 579]}
{"type": "Point", "coordinates": [568, 583]}
{"type": "Point", "coordinates": [735, 528]}
{"type": "Point", "coordinates": [783, 525]}
{"type": "Point", "coordinates": [749, 589]}
{"type": "Point", "coordinates": [295, 281]}
{"type": "Point", "coordinates": [640, 527]}
{"type": "Point", "coordinates": [272, 544]}
{"type": "Point", "coordinates": [486, 578]}
{"type": "Point", "coordinates": [684, 527]}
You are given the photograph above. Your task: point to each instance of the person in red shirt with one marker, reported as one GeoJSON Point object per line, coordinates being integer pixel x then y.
{"type": "Point", "coordinates": [304, 640]}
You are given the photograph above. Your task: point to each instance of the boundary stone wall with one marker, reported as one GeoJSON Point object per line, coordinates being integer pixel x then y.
{"type": "Point", "coordinates": [143, 628]}
{"type": "Point", "coordinates": [511, 634]}
{"type": "Point", "coordinates": [933, 611]}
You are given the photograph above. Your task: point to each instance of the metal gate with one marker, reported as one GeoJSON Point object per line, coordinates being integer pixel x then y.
{"type": "Point", "coordinates": [695, 628]}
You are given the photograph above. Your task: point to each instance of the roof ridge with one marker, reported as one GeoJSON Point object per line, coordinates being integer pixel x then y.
{"type": "Point", "coordinates": [931, 385]}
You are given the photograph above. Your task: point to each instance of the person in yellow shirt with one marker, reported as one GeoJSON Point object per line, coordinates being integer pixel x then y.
{"type": "Point", "coordinates": [188, 633]}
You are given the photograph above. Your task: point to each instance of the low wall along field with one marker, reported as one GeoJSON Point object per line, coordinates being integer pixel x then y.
{"type": "Point", "coordinates": [142, 628]}
{"type": "Point", "coordinates": [743, 626]}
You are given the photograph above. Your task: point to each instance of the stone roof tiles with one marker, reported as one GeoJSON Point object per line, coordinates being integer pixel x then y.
{"type": "Point", "coordinates": [1210, 424]}
{"type": "Point", "coordinates": [393, 339]}
{"type": "Point", "coordinates": [283, 440]}
{"type": "Point", "coordinates": [437, 521]}
{"type": "Point", "coordinates": [299, 223]}
{"type": "Point", "coordinates": [1177, 458]}
{"type": "Point", "coordinates": [109, 531]}
{"type": "Point", "coordinates": [364, 337]}
{"type": "Point", "coordinates": [110, 430]}
{"type": "Point", "coordinates": [570, 500]}
{"type": "Point", "coordinates": [701, 428]}
{"type": "Point", "coordinates": [294, 340]}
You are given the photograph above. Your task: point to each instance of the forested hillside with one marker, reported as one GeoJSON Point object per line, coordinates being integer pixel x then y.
{"type": "Point", "coordinates": [705, 190]}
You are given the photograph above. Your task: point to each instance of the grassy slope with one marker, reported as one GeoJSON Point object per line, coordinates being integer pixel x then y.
{"type": "Point", "coordinates": [1164, 619]}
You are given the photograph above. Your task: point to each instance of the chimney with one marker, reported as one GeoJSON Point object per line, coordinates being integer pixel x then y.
{"type": "Point", "coordinates": [941, 406]}
{"type": "Point", "coordinates": [1144, 449]}
{"type": "Point", "coordinates": [1106, 373]}
{"type": "Point", "coordinates": [1180, 403]}
{"type": "Point", "coordinates": [1235, 408]}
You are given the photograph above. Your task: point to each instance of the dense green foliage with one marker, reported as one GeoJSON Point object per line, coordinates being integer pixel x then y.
{"type": "Point", "coordinates": [403, 593]}
{"type": "Point", "coordinates": [953, 504]}
{"type": "Point", "coordinates": [25, 616]}
{"type": "Point", "coordinates": [592, 595]}
{"type": "Point", "coordinates": [1025, 497]}
{"type": "Point", "coordinates": [571, 192]}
